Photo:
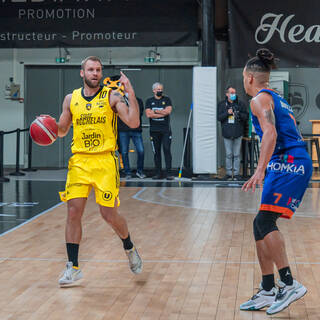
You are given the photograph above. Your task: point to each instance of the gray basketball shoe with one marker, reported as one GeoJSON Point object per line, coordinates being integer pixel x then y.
{"type": "Point", "coordinates": [286, 295]}
{"type": "Point", "coordinates": [135, 262]}
{"type": "Point", "coordinates": [260, 300]}
{"type": "Point", "coordinates": [70, 275]}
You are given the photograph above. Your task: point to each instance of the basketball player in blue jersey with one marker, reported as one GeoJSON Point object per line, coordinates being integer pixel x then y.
{"type": "Point", "coordinates": [288, 168]}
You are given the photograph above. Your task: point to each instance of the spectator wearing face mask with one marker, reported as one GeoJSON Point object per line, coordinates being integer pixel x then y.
{"type": "Point", "coordinates": [158, 110]}
{"type": "Point", "coordinates": [233, 114]}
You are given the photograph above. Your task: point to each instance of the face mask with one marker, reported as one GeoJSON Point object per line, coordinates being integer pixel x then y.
{"type": "Point", "coordinates": [233, 96]}
{"type": "Point", "coordinates": [159, 93]}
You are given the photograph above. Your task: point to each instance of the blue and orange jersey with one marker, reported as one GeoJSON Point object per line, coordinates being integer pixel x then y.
{"type": "Point", "coordinates": [288, 134]}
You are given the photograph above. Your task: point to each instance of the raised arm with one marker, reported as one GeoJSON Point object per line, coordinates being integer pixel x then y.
{"type": "Point", "coordinates": [65, 119]}
{"type": "Point", "coordinates": [262, 107]}
{"type": "Point", "coordinates": [129, 115]}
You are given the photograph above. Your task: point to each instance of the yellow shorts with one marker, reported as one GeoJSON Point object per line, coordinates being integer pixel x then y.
{"type": "Point", "coordinates": [100, 171]}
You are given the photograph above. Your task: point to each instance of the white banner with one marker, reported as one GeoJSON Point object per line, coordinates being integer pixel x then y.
{"type": "Point", "coordinates": [204, 120]}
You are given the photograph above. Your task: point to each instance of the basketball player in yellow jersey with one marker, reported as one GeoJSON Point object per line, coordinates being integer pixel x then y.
{"type": "Point", "coordinates": [93, 111]}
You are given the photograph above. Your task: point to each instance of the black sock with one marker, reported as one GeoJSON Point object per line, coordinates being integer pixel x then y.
{"type": "Point", "coordinates": [127, 244]}
{"type": "Point", "coordinates": [268, 282]}
{"type": "Point", "coordinates": [73, 250]}
{"type": "Point", "coordinates": [286, 276]}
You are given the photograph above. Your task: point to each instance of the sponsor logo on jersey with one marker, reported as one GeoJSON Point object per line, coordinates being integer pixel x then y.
{"type": "Point", "coordinates": [88, 118]}
{"type": "Point", "coordinates": [91, 140]}
{"type": "Point", "coordinates": [286, 167]}
{"type": "Point", "coordinates": [101, 104]}
{"type": "Point", "coordinates": [287, 158]}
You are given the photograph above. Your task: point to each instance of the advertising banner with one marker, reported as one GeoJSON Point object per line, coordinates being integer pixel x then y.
{"type": "Point", "coordinates": [290, 29]}
{"type": "Point", "coordinates": [96, 23]}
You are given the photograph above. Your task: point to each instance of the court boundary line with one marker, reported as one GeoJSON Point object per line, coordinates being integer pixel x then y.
{"type": "Point", "coordinates": [136, 196]}
{"type": "Point", "coordinates": [152, 261]}
{"type": "Point", "coordinates": [31, 219]}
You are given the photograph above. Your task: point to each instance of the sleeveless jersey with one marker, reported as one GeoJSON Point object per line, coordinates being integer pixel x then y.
{"type": "Point", "coordinates": [288, 134]}
{"type": "Point", "coordinates": [94, 122]}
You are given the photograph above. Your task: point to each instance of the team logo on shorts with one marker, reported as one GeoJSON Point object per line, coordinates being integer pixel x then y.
{"type": "Point", "coordinates": [107, 196]}
{"type": "Point", "coordinates": [293, 203]}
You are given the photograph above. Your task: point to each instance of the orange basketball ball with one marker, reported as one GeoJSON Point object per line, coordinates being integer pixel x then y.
{"type": "Point", "coordinates": [44, 130]}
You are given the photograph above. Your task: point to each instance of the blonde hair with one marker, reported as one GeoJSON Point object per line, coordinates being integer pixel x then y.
{"type": "Point", "coordinates": [91, 58]}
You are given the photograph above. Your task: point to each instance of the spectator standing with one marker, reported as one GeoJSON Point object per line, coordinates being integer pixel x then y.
{"type": "Point", "coordinates": [233, 114]}
{"type": "Point", "coordinates": [158, 110]}
{"type": "Point", "coordinates": [125, 134]}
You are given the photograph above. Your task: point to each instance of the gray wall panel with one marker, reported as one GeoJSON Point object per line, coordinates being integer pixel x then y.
{"type": "Point", "coordinates": [42, 97]}
{"type": "Point", "coordinates": [47, 97]}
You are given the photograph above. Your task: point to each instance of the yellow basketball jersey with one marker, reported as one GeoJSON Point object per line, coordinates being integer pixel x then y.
{"type": "Point", "coordinates": [94, 122]}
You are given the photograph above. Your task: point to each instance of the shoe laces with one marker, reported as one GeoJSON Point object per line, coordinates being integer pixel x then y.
{"type": "Point", "coordinates": [280, 293]}
{"type": "Point", "coordinates": [256, 295]}
{"type": "Point", "coordinates": [68, 271]}
{"type": "Point", "coordinates": [133, 257]}
{"type": "Point", "coordinates": [281, 288]}
{"type": "Point", "coordinates": [131, 254]}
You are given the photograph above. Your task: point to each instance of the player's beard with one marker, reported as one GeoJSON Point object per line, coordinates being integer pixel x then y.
{"type": "Point", "coordinates": [90, 84]}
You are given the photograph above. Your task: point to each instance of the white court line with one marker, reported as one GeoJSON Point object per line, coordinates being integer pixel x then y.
{"type": "Point", "coordinates": [229, 210]}
{"type": "Point", "coordinates": [33, 218]}
{"type": "Point", "coordinates": [7, 215]}
{"type": "Point", "coordinates": [163, 189]}
{"type": "Point", "coordinates": [160, 193]}
{"type": "Point", "coordinates": [151, 261]}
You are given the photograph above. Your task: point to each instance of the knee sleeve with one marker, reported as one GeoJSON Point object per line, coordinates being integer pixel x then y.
{"type": "Point", "coordinates": [264, 223]}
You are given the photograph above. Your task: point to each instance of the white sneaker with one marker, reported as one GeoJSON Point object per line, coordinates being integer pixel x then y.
{"type": "Point", "coordinates": [70, 275]}
{"type": "Point", "coordinates": [260, 300]}
{"type": "Point", "coordinates": [140, 175]}
{"type": "Point", "coordinates": [286, 295]}
{"type": "Point", "coordinates": [135, 261]}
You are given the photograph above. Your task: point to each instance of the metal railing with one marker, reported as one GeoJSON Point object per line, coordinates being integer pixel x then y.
{"type": "Point", "coordinates": [17, 171]}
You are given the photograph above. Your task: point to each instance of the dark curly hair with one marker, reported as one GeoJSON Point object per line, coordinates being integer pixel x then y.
{"type": "Point", "coordinates": [264, 61]}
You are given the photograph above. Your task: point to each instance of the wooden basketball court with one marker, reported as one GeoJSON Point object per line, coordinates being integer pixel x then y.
{"type": "Point", "coordinates": [198, 251]}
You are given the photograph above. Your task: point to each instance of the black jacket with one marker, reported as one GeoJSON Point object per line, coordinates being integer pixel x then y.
{"type": "Point", "coordinates": [232, 130]}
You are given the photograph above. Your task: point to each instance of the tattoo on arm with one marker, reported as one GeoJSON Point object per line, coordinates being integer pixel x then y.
{"type": "Point", "coordinates": [269, 115]}
{"type": "Point", "coordinates": [119, 95]}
